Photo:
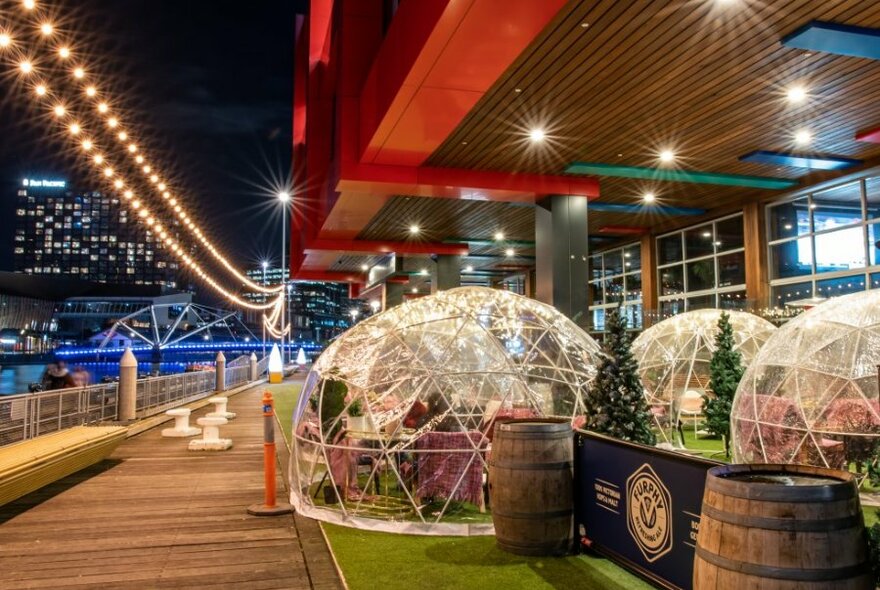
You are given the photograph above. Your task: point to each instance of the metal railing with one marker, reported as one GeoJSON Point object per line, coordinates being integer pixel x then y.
{"type": "Point", "coordinates": [262, 365]}
{"type": "Point", "coordinates": [32, 414]}
{"type": "Point", "coordinates": [157, 394]}
{"type": "Point", "coordinates": [237, 375]}
{"type": "Point", "coordinates": [241, 360]}
{"type": "Point", "coordinates": [28, 415]}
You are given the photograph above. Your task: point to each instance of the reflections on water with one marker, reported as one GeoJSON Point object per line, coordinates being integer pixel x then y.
{"type": "Point", "coordinates": [16, 378]}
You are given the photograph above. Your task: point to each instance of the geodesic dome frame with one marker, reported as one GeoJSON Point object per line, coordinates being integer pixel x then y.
{"type": "Point", "coordinates": [674, 356]}
{"type": "Point", "coordinates": [811, 394]}
{"type": "Point", "coordinates": [429, 379]}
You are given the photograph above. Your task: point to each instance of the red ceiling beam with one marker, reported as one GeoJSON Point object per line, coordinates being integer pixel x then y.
{"type": "Point", "coordinates": [623, 230]}
{"type": "Point", "coordinates": [870, 135]}
{"type": "Point", "coordinates": [386, 247]}
{"type": "Point", "coordinates": [329, 276]}
{"type": "Point", "coordinates": [438, 58]}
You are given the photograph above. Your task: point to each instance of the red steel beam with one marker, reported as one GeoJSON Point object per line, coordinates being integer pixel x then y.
{"type": "Point", "coordinates": [626, 230]}
{"type": "Point", "coordinates": [385, 247]}
{"type": "Point", "coordinates": [306, 274]}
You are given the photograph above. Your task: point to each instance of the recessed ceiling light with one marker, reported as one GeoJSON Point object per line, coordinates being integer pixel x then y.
{"type": "Point", "coordinates": [803, 137]}
{"type": "Point", "coordinates": [537, 135]}
{"type": "Point", "coordinates": [414, 229]}
{"type": "Point", "coordinates": [667, 156]}
{"type": "Point", "coordinates": [469, 268]}
{"type": "Point", "coordinates": [796, 94]}
{"type": "Point", "coordinates": [510, 252]}
{"type": "Point", "coordinates": [424, 272]}
{"type": "Point", "coordinates": [415, 290]}
{"type": "Point", "coordinates": [499, 236]}
{"type": "Point", "coordinates": [365, 268]}
{"type": "Point", "coordinates": [649, 197]}
{"type": "Point", "coordinates": [517, 90]}
{"type": "Point", "coordinates": [585, 25]}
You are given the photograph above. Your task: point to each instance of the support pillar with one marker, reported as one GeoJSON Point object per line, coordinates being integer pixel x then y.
{"type": "Point", "coordinates": [650, 303]}
{"type": "Point", "coordinates": [220, 372]}
{"type": "Point", "coordinates": [561, 267]}
{"type": "Point", "coordinates": [754, 236]}
{"type": "Point", "coordinates": [446, 273]}
{"type": "Point", "coordinates": [253, 367]}
{"type": "Point", "coordinates": [128, 367]}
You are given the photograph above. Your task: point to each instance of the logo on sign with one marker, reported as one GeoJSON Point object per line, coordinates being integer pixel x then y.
{"type": "Point", "coordinates": [649, 513]}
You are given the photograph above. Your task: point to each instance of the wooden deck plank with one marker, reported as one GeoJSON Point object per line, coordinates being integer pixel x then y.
{"type": "Point", "coordinates": [157, 516]}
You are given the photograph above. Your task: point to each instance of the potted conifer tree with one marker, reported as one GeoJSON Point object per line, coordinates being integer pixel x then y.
{"type": "Point", "coordinates": [725, 372]}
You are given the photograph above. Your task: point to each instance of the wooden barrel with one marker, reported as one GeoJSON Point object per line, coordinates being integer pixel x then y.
{"type": "Point", "coordinates": [781, 527]}
{"type": "Point", "coordinates": [531, 486]}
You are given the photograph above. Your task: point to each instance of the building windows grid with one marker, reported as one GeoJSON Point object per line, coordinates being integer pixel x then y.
{"type": "Point", "coordinates": [615, 279]}
{"type": "Point", "coordinates": [824, 244]}
{"type": "Point", "coordinates": [702, 267]}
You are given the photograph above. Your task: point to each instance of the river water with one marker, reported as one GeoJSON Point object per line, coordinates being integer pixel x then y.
{"type": "Point", "coordinates": [16, 378]}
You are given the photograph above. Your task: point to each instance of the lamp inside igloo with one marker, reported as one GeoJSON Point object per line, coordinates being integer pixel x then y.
{"type": "Point", "coordinates": [674, 357]}
{"type": "Point", "coordinates": [811, 395]}
{"type": "Point", "coordinates": [395, 422]}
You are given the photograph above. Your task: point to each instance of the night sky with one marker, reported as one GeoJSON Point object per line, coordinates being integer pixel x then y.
{"type": "Point", "coordinates": [210, 82]}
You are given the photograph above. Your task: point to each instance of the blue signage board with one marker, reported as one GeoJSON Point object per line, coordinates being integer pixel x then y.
{"type": "Point", "coordinates": [640, 506]}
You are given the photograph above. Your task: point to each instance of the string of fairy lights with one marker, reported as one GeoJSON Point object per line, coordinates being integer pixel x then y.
{"type": "Point", "coordinates": [107, 119]}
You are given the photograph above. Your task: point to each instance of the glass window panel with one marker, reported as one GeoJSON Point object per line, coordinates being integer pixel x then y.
{"type": "Point", "coordinates": [701, 302]}
{"type": "Point", "coordinates": [614, 290]}
{"type": "Point", "coordinates": [791, 259]}
{"type": "Point", "coordinates": [670, 308]}
{"type": "Point", "coordinates": [840, 250]}
{"type": "Point", "coordinates": [613, 262]}
{"type": "Point", "coordinates": [840, 286]}
{"type": "Point", "coordinates": [596, 266]}
{"type": "Point", "coordinates": [596, 293]}
{"type": "Point", "coordinates": [669, 249]}
{"type": "Point", "coordinates": [732, 300]}
{"type": "Point", "coordinates": [634, 286]}
{"type": "Point", "coordinates": [701, 275]}
{"type": "Point", "coordinates": [672, 280]}
{"type": "Point", "coordinates": [872, 196]}
{"type": "Point", "coordinates": [632, 258]}
{"type": "Point", "coordinates": [782, 295]}
{"type": "Point", "coordinates": [791, 219]}
{"type": "Point", "coordinates": [729, 234]}
{"type": "Point", "coordinates": [698, 241]}
{"type": "Point", "coordinates": [874, 243]}
{"type": "Point", "coordinates": [837, 207]}
{"type": "Point", "coordinates": [633, 315]}
{"type": "Point", "coordinates": [598, 316]}
{"type": "Point", "coordinates": [732, 269]}
{"type": "Point", "coordinates": [875, 280]}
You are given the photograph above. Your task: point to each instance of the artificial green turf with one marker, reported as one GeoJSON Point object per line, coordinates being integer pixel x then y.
{"type": "Point", "coordinates": [707, 446]}
{"type": "Point", "coordinates": [382, 560]}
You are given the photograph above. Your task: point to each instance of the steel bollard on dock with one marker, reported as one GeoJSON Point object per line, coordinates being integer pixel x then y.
{"type": "Point", "coordinates": [270, 507]}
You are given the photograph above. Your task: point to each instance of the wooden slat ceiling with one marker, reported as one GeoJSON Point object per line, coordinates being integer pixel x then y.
{"type": "Point", "coordinates": [704, 77]}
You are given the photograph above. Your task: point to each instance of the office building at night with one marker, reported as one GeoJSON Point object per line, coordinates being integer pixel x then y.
{"type": "Point", "coordinates": [87, 235]}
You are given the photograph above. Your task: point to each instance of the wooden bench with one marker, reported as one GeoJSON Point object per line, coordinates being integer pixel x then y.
{"type": "Point", "coordinates": [31, 464]}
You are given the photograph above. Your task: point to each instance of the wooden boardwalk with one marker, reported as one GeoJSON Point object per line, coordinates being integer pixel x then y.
{"type": "Point", "coordinates": [158, 516]}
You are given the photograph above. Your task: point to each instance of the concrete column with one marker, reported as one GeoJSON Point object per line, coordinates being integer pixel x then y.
{"type": "Point", "coordinates": [561, 244]}
{"type": "Point", "coordinates": [394, 294]}
{"type": "Point", "coordinates": [253, 365]}
{"type": "Point", "coordinates": [126, 408]}
{"type": "Point", "coordinates": [220, 375]}
{"type": "Point", "coordinates": [446, 273]}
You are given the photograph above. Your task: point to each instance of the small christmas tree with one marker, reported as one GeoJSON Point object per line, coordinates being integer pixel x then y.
{"type": "Point", "coordinates": [616, 403]}
{"type": "Point", "coordinates": [725, 372]}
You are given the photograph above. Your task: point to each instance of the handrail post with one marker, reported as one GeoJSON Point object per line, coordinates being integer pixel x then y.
{"type": "Point", "coordinates": [220, 368]}
{"type": "Point", "coordinates": [253, 363]}
{"type": "Point", "coordinates": [127, 408]}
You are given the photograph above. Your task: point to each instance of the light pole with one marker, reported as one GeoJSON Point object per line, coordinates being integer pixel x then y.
{"type": "Point", "coordinates": [290, 318]}
{"type": "Point", "coordinates": [284, 197]}
{"type": "Point", "coordinates": [265, 265]}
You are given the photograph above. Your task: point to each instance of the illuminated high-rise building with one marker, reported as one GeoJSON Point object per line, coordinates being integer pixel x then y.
{"type": "Point", "coordinates": [87, 235]}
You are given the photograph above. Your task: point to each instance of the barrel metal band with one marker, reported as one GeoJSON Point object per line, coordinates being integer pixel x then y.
{"type": "Point", "coordinates": [777, 493]}
{"type": "Point", "coordinates": [783, 573]}
{"type": "Point", "coordinates": [533, 515]}
{"type": "Point", "coordinates": [558, 465]}
{"type": "Point", "coordinates": [783, 524]}
{"type": "Point", "coordinates": [524, 435]}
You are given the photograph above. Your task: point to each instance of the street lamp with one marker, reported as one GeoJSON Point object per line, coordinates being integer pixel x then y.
{"type": "Point", "coordinates": [284, 198]}
{"type": "Point", "coordinates": [354, 315]}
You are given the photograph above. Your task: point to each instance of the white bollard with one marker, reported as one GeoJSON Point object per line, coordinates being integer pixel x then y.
{"type": "Point", "coordinates": [210, 440]}
{"type": "Point", "coordinates": [181, 424]}
{"type": "Point", "coordinates": [220, 368]}
{"type": "Point", "coordinates": [220, 408]}
{"type": "Point", "coordinates": [254, 375]}
{"type": "Point", "coordinates": [127, 399]}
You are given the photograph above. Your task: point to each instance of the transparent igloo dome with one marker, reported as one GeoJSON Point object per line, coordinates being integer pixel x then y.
{"type": "Point", "coordinates": [674, 356]}
{"type": "Point", "coordinates": [396, 417]}
{"type": "Point", "coordinates": [810, 396]}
